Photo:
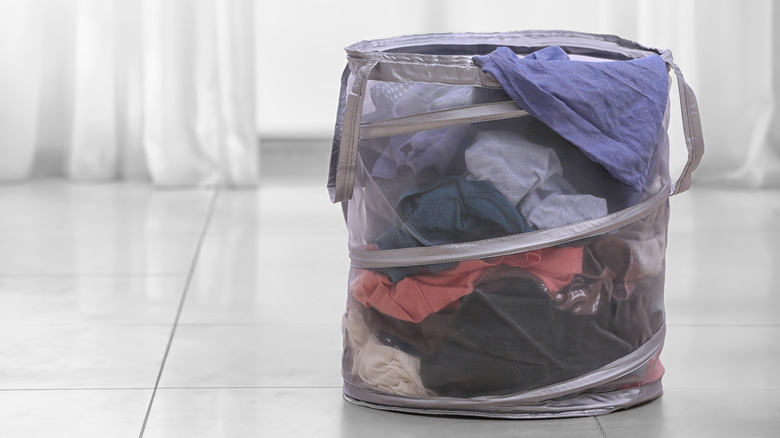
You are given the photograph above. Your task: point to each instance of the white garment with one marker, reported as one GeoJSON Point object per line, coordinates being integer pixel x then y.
{"type": "Point", "coordinates": [381, 367]}
{"type": "Point", "coordinates": [530, 175]}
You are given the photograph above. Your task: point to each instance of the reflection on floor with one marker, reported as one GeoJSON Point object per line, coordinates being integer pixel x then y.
{"type": "Point", "coordinates": [127, 311]}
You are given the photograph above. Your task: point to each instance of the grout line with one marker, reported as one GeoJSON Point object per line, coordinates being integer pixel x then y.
{"type": "Point", "coordinates": [177, 388]}
{"type": "Point", "coordinates": [193, 388]}
{"type": "Point", "coordinates": [710, 325]}
{"type": "Point", "coordinates": [84, 324]}
{"type": "Point", "coordinates": [193, 265]}
{"type": "Point", "coordinates": [190, 388]}
{"type": "Point", "coordinates": [98, 275]}
{"type": "Point", "coordinates": [254, 324]}
{"type": "Point", "coordinates": [105, 388]}
{"type": "Point", "coordinates": [601, 428]}
{"type": "Point", "coordinates": [717, 388]}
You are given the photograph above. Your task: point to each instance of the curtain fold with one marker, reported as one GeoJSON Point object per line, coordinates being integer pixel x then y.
{"type": "Point", "coordinates": [133, 89]}
{"type": "Point", "coordinates": [20, 85]}
{"type": "Point", "coordinates": [735, 52]}
{"type": "Point", "coordinates": [729, 51]}
{"type": "Point", "coordinates": [165, 90]}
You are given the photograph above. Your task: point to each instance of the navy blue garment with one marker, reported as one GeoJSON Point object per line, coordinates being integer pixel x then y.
{"type": "Point", "coordinates": [452, 210]}
{"type": "Point", "coordinates": [397, 274]}
{"type": "Point", "coordinates": [613, 111]}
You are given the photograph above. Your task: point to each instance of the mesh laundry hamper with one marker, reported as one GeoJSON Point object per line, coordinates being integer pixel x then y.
{"type": "Point", "coordinates": [506, 197]}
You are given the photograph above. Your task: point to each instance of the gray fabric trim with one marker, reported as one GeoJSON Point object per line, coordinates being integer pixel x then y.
{"type": "Point", "coordinates": [515, 243]}
{"type": "Point", "coordinates": [691, 121]}
{"type": "Point", "coordinates": [441, 119]}
{"type": "Point", "coordinates": [553, 400]}
{"type": "Point", "coordinates": [347, 159]}
{"type": "Point", "coordinates": [583, 405]}
{"type": "Point", "coordinates": [532, 40]}
{"type": "Point", "coordinates": [451, 66]}
{"type": "Point", "coordinates": [335, 148]}
{"type": "Point", "coordinates": [375, 60]}
{"type": "Point", "coordinates": [457, 70]}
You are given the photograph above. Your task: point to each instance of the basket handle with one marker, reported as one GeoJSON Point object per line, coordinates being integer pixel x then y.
{"type": "Point", "coordinates": [342, 187]}
{"type": "Point", "coordinates": [694, 140]}
{"type": "Point", "coordinates": [347, 159]}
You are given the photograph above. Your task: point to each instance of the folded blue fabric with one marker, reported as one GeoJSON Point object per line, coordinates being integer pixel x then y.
{"type": "Point", "coordinates": [613, 111]}
{"type": "Point", "coordinates": [450, 211]}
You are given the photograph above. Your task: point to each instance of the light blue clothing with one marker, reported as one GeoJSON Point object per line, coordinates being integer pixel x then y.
{"type": "Point", "coordinates": [530, 176]}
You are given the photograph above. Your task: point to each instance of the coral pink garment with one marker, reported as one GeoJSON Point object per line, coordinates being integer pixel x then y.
{"type": "Point", "coordinates": [415, 297]}
{"type": "Point", "coordinates": [652, 372]}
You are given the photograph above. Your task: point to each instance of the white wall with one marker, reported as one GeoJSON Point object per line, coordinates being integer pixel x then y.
{"type": "Point", "coordinates": [300, 50]}
{"type": "Point", "coordinates": [300, 44]}
{"type": "Point", "coordinates": [300, 47]}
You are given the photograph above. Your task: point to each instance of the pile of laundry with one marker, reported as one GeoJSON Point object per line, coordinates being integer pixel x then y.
{"type": "Point", "coordinates": [505, 324]}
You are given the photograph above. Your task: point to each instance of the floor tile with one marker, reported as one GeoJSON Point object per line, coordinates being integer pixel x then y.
{"type": "Point", "coordinates": [276, 208]}
{"type": "Point", "coordinates": [721, 263]}
{"type": "Point", "coordinates": [725, 357]}
{"type": "Point", "coordinates": [91, 277]}
{"type": "Point", "coordinates": [723, 280]}
{"type": "Point", "coordinates": [94, 300]}
{"type": "Point", "coordinates": [77, 209]}
{"type": "Point", "coordinates": [769, 198]}
{"type": "Point", "coordinates": [115, 254]}
{"type": "Point", "coordinates": [739, 254]}
{"type": "Point", "coordinates": [81, 356]}
{"type": "Point", "coordinates": [119, 228]}
{"type": "Point", "coordinates": [273, 355]}
{"type": "Point", "coordinates": [704, 413]}
{"type": "Point", "coordinates": [274, 255]}
{"type": "Point", "coordinates": [702, 210]}
{"type": "Point", "coordinates": [73, 413]}
{"type": "Point", "coordinates": [286, 412]}
{"type": "Point", "coordinates": [721, 300]}
{"type": "Point", "coordinates": [282, 279]}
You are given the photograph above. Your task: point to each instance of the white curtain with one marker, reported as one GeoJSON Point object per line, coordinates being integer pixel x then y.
{"type": "Point", "coordinates": [164, 89]}
{"type": "Point", "coordinates": [133, 89]}
{"type": "Point", "coordinates": [730, 53]}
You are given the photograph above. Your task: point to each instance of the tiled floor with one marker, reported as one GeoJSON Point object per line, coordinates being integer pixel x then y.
{"type": "Point", "coordinates": [127, 311]}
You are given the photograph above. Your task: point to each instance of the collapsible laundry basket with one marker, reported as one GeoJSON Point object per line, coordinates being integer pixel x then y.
{"type": "Point", "coordinates": [506, 197]}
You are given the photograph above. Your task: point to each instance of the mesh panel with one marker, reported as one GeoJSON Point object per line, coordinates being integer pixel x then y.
{"type": "Point", "coordinates": [508, 324]}
{"type": "Point", "coordinates": [476, 181]}
{"type": "Point", "coordinates": [388, 100]}
{"type": "Point", "coordinates": [542, 329]}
